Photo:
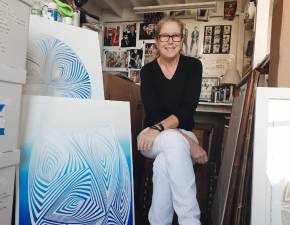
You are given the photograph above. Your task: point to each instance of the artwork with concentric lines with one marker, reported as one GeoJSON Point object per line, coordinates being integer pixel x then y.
{"type": "Point", "coordinates": [76, 162]}
{"type": "Point", "coordinates": [60, 64]}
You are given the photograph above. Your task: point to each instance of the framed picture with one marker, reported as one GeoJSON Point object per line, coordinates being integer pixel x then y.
{"type": "Point", "coordinates": [217, 39]}
{"type": "Point", "coordinates": [206, 88]}
{"type": "Point", "coordinates": [202, 15]}
{"type": "Point", "coordinates": [271, 179]}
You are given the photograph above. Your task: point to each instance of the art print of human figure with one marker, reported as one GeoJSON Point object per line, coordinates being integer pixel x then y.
{"type": "Point", "coordinates": [150, 52]}
{"type": "Point", "coordinates": [125, 42]}
{"type": "Point", "coordinates": [147, 31]}
{"type": "Point", "coordinates": [135, 58]}
{"type": "Point", "coordinates": [194, 42]}
{"type": "Point", "coordinates": [129, 35]}
{"type": "Point", "coordinates": [111, 36]}
{"type": "Point", "coordinates": [134, 75]}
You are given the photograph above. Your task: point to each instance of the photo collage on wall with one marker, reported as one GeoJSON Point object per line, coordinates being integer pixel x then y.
{"type": "Point", "coordinates": [123, 54]}
{"type": "Point", "coordinates": [217, 39]}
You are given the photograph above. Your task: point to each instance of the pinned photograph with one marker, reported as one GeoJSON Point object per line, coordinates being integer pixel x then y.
{"type": "Point", "coordinates": [216, 48]}
{"type": "Point", "coordinates": [150, 51]}
{"type": "Point", "coordinates": [202, 15]}
{"type": "Point", "coordinates": [147, 31]}
{"type": "Point", "coordinates": [208, 30]}
{"type": "Point", "coordinates": [217, 30]}
{"type": "Point", "coordinates": [194, 42]}
{"type": "Point", "coordinates": [227, 29]}
{"type": "Point", "coordinates": [207, 49]}
{"type": "Point", "coordinates": [225, 48]}
{"type": "Point", "coordinates": [129, 35]}
{"type": "Point", "coordinates": [216, 39]}
{"type": "Point", "coordinates": [135, 60]}
{"type": "Point", "coordinates": [112, 36]}
{"type": "Point", "coordinates": [208, 40]}
{"type": "Point", "coordinates": [230, 8]}
{"type": "Point", "coordinates": [226, 39]}
{"type": "Point", "coordinates": [134, 75]}
{"type": "Point", "coordinates": [115, 60]}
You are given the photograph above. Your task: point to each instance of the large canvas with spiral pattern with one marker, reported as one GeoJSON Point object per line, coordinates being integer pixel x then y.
{"type": "Point", "coordinates": [76, 162]}
{"type": "Point", "coordinates": [63, 60]}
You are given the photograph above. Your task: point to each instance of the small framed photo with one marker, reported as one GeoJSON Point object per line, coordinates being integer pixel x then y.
{"type": "Point", "coordinates": [206, 88]}
{"type": "Point", "coordinates": [202, 15]}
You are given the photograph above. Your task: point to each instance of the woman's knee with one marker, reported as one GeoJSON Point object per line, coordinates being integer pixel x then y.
{"type": "Point", "coordinates": [172, 139]}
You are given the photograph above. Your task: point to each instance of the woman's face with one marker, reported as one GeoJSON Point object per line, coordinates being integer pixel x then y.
{"type": "Point", "coordinates": [171, 48]}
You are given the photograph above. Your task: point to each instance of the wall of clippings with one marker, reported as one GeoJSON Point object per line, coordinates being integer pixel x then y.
{"type": "Point", "coordinates": [128, 46]}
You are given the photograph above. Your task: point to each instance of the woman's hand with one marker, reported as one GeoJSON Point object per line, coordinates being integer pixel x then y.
{"type": "Point", "coordinates": [198, 153]}
{"type": "Point", "coordinates": [146, 139]}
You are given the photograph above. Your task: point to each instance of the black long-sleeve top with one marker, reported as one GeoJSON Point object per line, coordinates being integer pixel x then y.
{"type": "Point", "coordinates": [178, 96]}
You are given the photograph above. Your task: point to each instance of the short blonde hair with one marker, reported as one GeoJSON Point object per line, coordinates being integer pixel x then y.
{"type": "Point", "coordinates": [166, 20]}
{"type": "Point", "coordinates": [159, 27]}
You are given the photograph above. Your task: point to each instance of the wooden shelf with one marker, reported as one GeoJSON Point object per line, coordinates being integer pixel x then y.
{"type": "Point", "coordinates": [211, 107]}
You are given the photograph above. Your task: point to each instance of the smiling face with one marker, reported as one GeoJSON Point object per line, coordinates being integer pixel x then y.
{"type": "Point", "coordinates": [169, 49]}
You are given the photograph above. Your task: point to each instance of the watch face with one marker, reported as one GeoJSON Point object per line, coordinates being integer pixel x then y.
{"type": "Point", "coordinates": [206, 87]}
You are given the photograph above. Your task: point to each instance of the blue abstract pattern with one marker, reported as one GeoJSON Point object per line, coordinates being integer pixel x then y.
{"type": "Point", "coordinates": [54, 69]}
{"type": "Point", "coordinates": [79, 179]}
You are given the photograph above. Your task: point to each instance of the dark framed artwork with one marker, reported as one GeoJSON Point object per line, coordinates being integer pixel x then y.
{"type": "Point", "coordinates": [217, 39]}
{"type": "Point", "coordinates": [230, 8]}
{"type": "Point", "coordinates": [206, 88]}
{"type": "Point", "coordinates": [202, 15]}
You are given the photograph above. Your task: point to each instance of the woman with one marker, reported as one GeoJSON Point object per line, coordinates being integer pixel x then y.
{"type": "Point", "coordinates": [170, 88]}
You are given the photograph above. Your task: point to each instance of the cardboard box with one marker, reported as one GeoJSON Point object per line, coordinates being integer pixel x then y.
{"type": "Point", "coordinates": [10, 97]}
{"type": "Point", "coordinates": [280, 45]}
{"type": "Point", "coordinates": [14, 36]}
{"type": "Point", "coordinates": [7, 176]}
{"type": "Point", "coordinates": [9, 158]}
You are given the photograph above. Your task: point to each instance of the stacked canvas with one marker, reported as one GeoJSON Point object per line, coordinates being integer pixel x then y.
{"type": "Point", "coordinates": [76, 159]}
{"type": "Point", "coordinates": [14, 18]}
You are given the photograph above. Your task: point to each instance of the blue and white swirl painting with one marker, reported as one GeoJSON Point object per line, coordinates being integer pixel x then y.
{"type": "Point", "coordinates": [72, 172]}
{"type": "Point", "coordinates": [54, 69]}
{"type": "Point", "coordinates": [63, 61]}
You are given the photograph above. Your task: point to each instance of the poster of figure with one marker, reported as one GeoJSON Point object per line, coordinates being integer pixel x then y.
{"type": "Point", "coordinates": [150, 52]}
{"type": "Point", "coordinates": [230, 8]}
{"type": "Point", "coordinates": [135, 60]}
{"type": "Point", "coordinates": [185, 39]}
{"type": "Point", "coordinates": [129, 35]}
{"type": "Point", "coordinates": [217, 39]}
{"type": "Point", "coordinates": [115, 60]}
{"type": "Point", "coordinates": [147, 31]}
{"type": "Point", "coordinates": [112, 36]}
{"type": "Point", "coordinates": [134, 75]}
{"type": "Point", "coordinates": [190, 42]}
{"type": "Point", "coordinates": [194, 42]}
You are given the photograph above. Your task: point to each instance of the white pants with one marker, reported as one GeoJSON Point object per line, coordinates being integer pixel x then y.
{"type": "Point", "coordinates": [174, 185]}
